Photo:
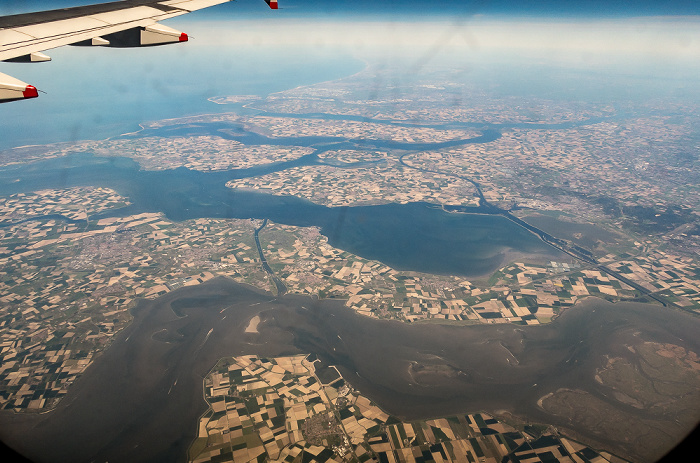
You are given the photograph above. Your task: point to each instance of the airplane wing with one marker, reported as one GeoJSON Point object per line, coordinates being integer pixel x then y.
{"type": "Point", "coordinates": [126, 23]}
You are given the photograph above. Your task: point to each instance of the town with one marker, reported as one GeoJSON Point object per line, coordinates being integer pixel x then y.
{"type": "Point", "coordinates": [279, 409]}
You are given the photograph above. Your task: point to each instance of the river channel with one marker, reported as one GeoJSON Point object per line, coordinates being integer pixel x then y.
{"type": "Point", "coordinates": [473, 243]}
{"type": "Point", "coordinates": [140, 400]}
{"type": "Point", "coordinates": [436, 241]}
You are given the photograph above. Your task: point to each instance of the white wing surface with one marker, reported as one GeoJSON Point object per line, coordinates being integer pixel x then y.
{"type": "Point", "coordinates": [127, 23]}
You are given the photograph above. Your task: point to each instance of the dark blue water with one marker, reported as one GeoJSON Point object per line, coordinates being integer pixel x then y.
{"type": "Point", "coordinates": [237, 132]}
{"type": "Point", "coordinates": [416, 236]}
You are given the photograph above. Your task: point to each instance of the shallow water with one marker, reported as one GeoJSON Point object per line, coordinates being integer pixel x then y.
{"type": "Point", "coordinates": [140, 401]}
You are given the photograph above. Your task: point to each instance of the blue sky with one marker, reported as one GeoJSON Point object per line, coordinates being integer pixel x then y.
{"type": "Point", "coordinates": [403, 8]}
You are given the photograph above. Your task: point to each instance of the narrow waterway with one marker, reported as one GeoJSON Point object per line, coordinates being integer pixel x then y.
{"type": "Point", "coordinates": [280, 287]}
{"type": "Point", "coordinates": [577, 252]}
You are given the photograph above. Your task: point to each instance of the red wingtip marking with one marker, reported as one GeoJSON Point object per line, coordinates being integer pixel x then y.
{"type": "Point", "coordinates": [183, 37]}
{"type": "Point", "coordinates": [273, 5]}
{"type": "Point", "coordinates": [30, 92]}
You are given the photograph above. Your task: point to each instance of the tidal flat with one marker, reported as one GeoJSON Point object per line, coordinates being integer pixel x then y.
{"type": "Point", "coordinates": [141, 399]}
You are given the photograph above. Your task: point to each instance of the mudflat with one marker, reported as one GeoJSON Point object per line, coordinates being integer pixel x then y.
{"type": "Point", "coordinates": [140, 400]}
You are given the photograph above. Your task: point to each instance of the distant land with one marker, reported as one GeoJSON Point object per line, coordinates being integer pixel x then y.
{"type": "Point", "coordinates": [440, 272]}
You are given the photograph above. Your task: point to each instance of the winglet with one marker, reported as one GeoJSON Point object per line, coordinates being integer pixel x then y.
{"type": "Point", "coordinates": [272, 4]}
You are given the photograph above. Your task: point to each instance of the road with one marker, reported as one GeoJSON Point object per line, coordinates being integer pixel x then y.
{"type": "Point", "coordinates": [279, 285]}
